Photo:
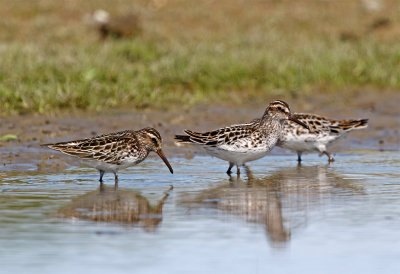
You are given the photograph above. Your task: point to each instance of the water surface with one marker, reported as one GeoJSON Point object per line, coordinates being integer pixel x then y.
{"type": "Point", "coordinates": [277, 218]}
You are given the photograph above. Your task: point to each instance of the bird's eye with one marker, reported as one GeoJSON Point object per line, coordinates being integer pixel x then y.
{"type": "Point", "coordinates": [154, 140]}
{"type": "Point", "coordinates": [280, 109]}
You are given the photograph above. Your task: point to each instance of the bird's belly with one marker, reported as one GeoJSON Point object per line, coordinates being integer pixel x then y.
{"type": "Point", "coordinates": [299, 145]}
{"type": "Point", "coordinates": [101, 165]}
{"type": "Point", "coordinates": [306, 142]}
{"type": "Point", "coordinates": [129, 161]}
{"type": "Point", "coordinates": [237, 157]}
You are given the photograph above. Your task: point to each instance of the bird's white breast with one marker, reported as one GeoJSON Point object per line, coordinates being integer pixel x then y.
{"type": "Point", "coordinates": [306, 141]}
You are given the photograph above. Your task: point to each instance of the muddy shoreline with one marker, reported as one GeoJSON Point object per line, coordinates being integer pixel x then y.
{"type": "Point", "coordinates": [32, 130]}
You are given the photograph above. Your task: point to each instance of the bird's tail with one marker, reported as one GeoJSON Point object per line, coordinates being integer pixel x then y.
{"type": "Point", "coordinates": [56, 146]}
{"type": "Point", "coordinates": [193, 137]}
{"type": "Point", "coordinates": [353, 124]}
{"type": "Point", "coordinates": [185, 139]}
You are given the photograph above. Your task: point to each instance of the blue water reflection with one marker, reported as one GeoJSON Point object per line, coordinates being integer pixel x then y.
{"type": "Point", "coordinates": [277, 218]}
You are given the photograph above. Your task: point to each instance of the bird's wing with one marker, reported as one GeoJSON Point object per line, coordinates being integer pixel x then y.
{"type": "Point", "coordinates": [321, 125]}
{"type": "Point", "coordinates": [218, 136]}
{"type": "Point", "coordinates": [103, 148]}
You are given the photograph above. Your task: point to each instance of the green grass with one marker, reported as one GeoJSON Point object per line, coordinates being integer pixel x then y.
{"type": "Point", "coordinates": [56, 73]}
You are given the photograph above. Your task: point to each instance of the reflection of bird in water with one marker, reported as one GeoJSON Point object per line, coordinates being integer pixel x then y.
{"type": "Point", "coordinates": [108, 204]}
{"type": "Point", "coordinates": [280, 201]}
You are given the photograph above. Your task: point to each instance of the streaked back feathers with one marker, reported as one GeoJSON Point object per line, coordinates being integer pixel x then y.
{"type": "Point", "coordinates": [113, 146]}
{"type": "Point", "coordinates": [276, 111]}
{"type": "Point", "coordinates": [318, 124]}
{"type": "Point", "coordinates": [219, 136]}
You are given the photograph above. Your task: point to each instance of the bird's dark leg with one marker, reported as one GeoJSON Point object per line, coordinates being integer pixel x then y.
{"type": "Point", "coordinates": [101, 175]}
{"type": "Point", "coordinates": [238, 171]}
{"type": "Point", "coordinates": [330, 158]}
{"type": "Point", "coordinates": [229, 169]}
{"type": "Point", "coordinates": [299, 156]}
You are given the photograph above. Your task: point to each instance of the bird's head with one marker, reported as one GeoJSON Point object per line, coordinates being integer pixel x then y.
{"type": "Point", "coordinates": [153, 142]}
{"type": "Point", "coordinates": [280, 110]}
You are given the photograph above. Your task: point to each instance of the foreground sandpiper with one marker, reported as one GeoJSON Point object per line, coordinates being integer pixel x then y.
{"type": "Point", "coordinates": [323, 131]}
{"type": "Point", "coordinates": [239, 144]}
{"type": "Point", "coordinates": [114, 151]}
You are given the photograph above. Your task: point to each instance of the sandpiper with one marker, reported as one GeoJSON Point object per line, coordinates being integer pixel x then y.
{"type": "Point", "coordinates": [323, 131]}
{"type": "Point", "coordinates": [242, 143]}
{"type": "Point", "coordinates": [114, 151]}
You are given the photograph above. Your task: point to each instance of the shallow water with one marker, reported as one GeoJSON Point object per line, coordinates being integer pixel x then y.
{"type": "Point", "coordinates": [277, 218]}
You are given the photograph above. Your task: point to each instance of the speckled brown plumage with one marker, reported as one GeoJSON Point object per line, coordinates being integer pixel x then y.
{"type": "Point", "coordinates": [323, 131]}
{"type": "Point", "coordinates": [110, 148]}
{"type": "Point", "coordinates": [239, 144]}
{"type": "Point", "coordinates": [114, 151]}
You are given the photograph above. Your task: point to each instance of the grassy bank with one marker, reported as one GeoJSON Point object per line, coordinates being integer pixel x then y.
{"type": "Point", "coordinates": [192, 51]}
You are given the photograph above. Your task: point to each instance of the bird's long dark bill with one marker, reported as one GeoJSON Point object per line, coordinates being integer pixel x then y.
{"type": "Point", "coordinates": [298, 122]}
{"type": "Point", "coordinates": [162, 156]}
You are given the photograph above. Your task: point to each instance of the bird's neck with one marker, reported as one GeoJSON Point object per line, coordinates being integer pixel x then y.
{"type": "Point", "coordinates": [271, 124]}
{"type": "Point", "coordinates": [268, 119]}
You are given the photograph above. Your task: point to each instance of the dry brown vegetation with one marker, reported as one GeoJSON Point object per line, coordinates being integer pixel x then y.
{"type": "Point", "coordinates": [192, 51]}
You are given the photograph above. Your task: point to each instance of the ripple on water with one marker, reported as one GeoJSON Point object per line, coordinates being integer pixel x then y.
{"type": "Point", "coordinates": [278, 217]}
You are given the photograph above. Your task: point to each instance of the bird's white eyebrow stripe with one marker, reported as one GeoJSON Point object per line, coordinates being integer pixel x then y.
{"type": "Point", "coordinates": [153, 134]}
{"type": "Point", "coordinates": [280, 103]}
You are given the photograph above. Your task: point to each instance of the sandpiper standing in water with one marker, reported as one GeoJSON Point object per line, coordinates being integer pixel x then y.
{"type": "Point", "coordinates": [242, 143]}
{"type": "Point", "coordinates": [114, 151]}
{"type": "Point", "coordinates": [323, 131]}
